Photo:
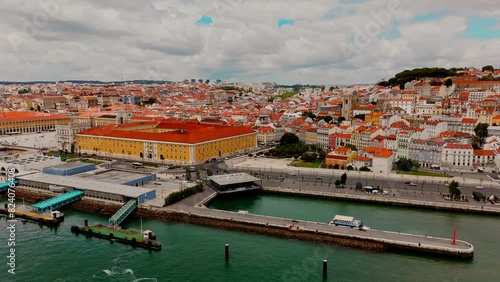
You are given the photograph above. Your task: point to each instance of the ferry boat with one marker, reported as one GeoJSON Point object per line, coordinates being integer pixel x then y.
{"type": "Point", "coordinates": [349, 221]}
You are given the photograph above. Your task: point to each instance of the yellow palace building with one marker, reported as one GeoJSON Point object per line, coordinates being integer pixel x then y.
{"type": "Point", "coordinates": [166, 142]}
{"type": "Point", "coordinates": [26, 122]}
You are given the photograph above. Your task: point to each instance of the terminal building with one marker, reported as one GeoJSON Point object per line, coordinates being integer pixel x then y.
{"type": "Point", "coordinates": [166, 141]}
{"type": "Point", "coordinates": [234, 182]}
{"type": "Point", "coordinates": [92, 188]}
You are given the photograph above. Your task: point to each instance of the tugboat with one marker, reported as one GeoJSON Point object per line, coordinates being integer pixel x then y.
{"type": "Point", "coordinates": [348, 221]}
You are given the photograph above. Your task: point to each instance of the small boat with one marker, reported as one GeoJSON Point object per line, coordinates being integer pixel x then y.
{"type": "Point", "coordinates": [348, 221]}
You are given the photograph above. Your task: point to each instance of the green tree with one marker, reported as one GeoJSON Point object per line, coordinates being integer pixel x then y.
{"type": "Point", "coordinates": [352, 147]}
{"type": "Point", "coordinates": [314, 147]}
{"type": "Point", "coordinates": [488, 67]}
{"type": "Point", "coordinates": [448, 82]}
{"type": "Point", "coordinates": [336, 166]}
{"type": "Point", "coordinates": [349, 167]}
{"type": "Point", "coordinates": [343, 178]}
{"type": "Point", "coordinates": [340, 120]}
{"type": "Point", "coordinates": [481, 131]}
{"type": "Point", "coordinates": [364, 168]}
{"type": "Point", "coordinates": [289, 139]}
{"type": "Point", "coordinates": [454, 189]}
{"type": "Point", "coordinates": [309, 157]}
{"type": "Point", "coordinates": [328, 119]}
{"type": "Point", "coordinates": [210, 172]}
{"type": "Point", "coordinates": [321, 154]}
{"type": "Point", "coordinates": [405, 164]}
{"type": "Point", "coordinates": [151, 100]}
{"type": "Point", "coordinates": [197, 174]}
{"type": "Point", "coordinates": [188, 174]}
{"type": "Point", "coordinates": [360, 116]}
{"type": "Point", "coordinates": [338, 183]}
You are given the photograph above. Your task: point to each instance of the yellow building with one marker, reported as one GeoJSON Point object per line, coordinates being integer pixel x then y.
{"type": "Point", "coordinates": [374, 118]}
{"type": "Point", "coordinates": [166, 142]}
{"type": "Point", "coordinates": [495, 121]}
{"type": "Point", "coordinates": [25, 122]}
{"type": "Point", "coordinates": [341, 156]}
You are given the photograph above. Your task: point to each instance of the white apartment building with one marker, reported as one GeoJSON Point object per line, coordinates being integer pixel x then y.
{"type": "Point", "coordinates": [408, 105]}
{"type": "Point", "coordinates": [468, 125]}
{"type": "Point", "coordinates": [479, 95]}
{"type": "Point", "coordinates": [426, 152]}
{"type": "Point", "coordinates": [432, 128]}
{"type": "Point", "coordinates": [457, 156]}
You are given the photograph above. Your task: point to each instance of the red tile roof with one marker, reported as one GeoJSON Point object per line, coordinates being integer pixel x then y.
{"type": "Point", "coordinates": [190, 133]}
{"type": "Point", "coordinates": [484, 153]}
{"type": "Point", "coordinates": [22, 116]}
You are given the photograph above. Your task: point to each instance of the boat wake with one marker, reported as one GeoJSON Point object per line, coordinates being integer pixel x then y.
{"type": "Point", "coordinates": [120, 274]}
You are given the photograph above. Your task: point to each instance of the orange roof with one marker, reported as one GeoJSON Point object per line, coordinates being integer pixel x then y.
{"type": "Point", "coordinates": [484, 153]}
{"type": "Point", "coordinates": [22, 116]}
{"type": "Point", "coordinates": [362, 159]}
{"type": "Point", "coordinates": [342, 150]}
{"type": "Point", "coordinates": [190, 133]}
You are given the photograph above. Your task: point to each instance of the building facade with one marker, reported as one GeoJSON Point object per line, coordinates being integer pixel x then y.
{"type": "Point", "coordinates": [29, 122]}
{"type": "Point", "coordinates": [166, 142]}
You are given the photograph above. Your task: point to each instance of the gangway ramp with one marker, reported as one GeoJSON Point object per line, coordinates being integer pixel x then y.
{"type": "Point", "coordinates": [123, 212]}
{"type": "Point", "coordinates": [4, 186]}
{"type": "Point", "coordinates": [59, 201]}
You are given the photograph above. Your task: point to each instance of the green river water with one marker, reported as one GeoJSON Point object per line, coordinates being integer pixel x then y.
{"type": "Point", "coordinates": [192, 253]}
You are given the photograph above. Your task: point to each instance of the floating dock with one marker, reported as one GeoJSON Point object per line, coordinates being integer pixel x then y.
{"type": "Point", "coordinates": [137, 238]}
{"type": "Point", "coordinates": [47, 218]}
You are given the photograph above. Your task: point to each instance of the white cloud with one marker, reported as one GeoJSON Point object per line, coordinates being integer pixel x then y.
{"type": "Point", "coordinates": [160, 40]}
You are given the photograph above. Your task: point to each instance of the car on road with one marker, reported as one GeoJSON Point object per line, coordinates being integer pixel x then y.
{"type": "Point", "coordinates": [291, 174]}
{"type": "Point", "coordinates": [479, 187]}
{"type": "Point", "coordinates": [412, 184]}
{"type": "Point", "coordinates": [319, 177]}
{"type": "Point", "coordinates": [226, 158]}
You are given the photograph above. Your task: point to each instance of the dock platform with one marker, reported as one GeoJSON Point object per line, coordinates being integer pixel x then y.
{"type": "Point", "coordinates": [49, 218]}
{"type": "Point", "coordinates": [145, 239]}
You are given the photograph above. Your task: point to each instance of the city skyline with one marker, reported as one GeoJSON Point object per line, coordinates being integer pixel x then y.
{"type": "Point", "coordinates": [326, 42]}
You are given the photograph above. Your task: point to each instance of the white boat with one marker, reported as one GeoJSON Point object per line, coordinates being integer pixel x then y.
{"type": "Point", "coordinates": [348, 221]}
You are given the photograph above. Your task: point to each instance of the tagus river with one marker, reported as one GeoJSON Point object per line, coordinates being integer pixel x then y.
{"type": "Point", "coordinates": [192, 253]}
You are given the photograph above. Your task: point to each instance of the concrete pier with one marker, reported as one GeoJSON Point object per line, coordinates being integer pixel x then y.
{"type": "Point", "coordinates": [375, 240]}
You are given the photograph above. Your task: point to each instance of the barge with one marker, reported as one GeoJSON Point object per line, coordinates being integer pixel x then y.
{"type": "Point", "coordinates": [50, 218]}
{"type": "Point", "coordinates": [137, 238]}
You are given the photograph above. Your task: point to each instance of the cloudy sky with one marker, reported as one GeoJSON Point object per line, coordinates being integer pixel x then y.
{"type": "Point", "coordinates": [284, 41]}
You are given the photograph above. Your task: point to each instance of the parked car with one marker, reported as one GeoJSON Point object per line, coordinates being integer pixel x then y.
{"type": "Point", "coordinates": [479, 187]}
{"type": "Point", "coordinates": [291, 174]}
{"type": "Point", "coordinates": [413, 184]}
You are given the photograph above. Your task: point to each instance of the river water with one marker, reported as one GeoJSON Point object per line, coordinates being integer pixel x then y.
{"type": "Point", "coordinates": [192, 253]}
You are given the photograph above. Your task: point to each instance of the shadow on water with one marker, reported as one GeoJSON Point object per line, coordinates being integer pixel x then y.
{"type": "Point", "coordinates": [430, 257]}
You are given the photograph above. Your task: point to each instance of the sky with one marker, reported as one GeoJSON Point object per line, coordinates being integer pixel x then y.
{"type": "Point", "coordinates": [282, 41]}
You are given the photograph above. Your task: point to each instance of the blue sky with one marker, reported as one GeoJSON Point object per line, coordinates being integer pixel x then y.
{"type": "Point", "coordinates": [321, 41]}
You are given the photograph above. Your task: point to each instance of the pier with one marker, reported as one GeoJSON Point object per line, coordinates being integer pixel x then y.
{"type": "Point", "coordinates": [319, 232]}
{"type": "Point", "coordinates": [59, 201]}
{"type": "Point", "coordinates": [50, 218]}
{"type": "Point", "coordinates": [4, 186]}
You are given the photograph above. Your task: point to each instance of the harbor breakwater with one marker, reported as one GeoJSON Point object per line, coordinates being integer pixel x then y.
{"type": "Point", "coordinates": [276, 227]}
